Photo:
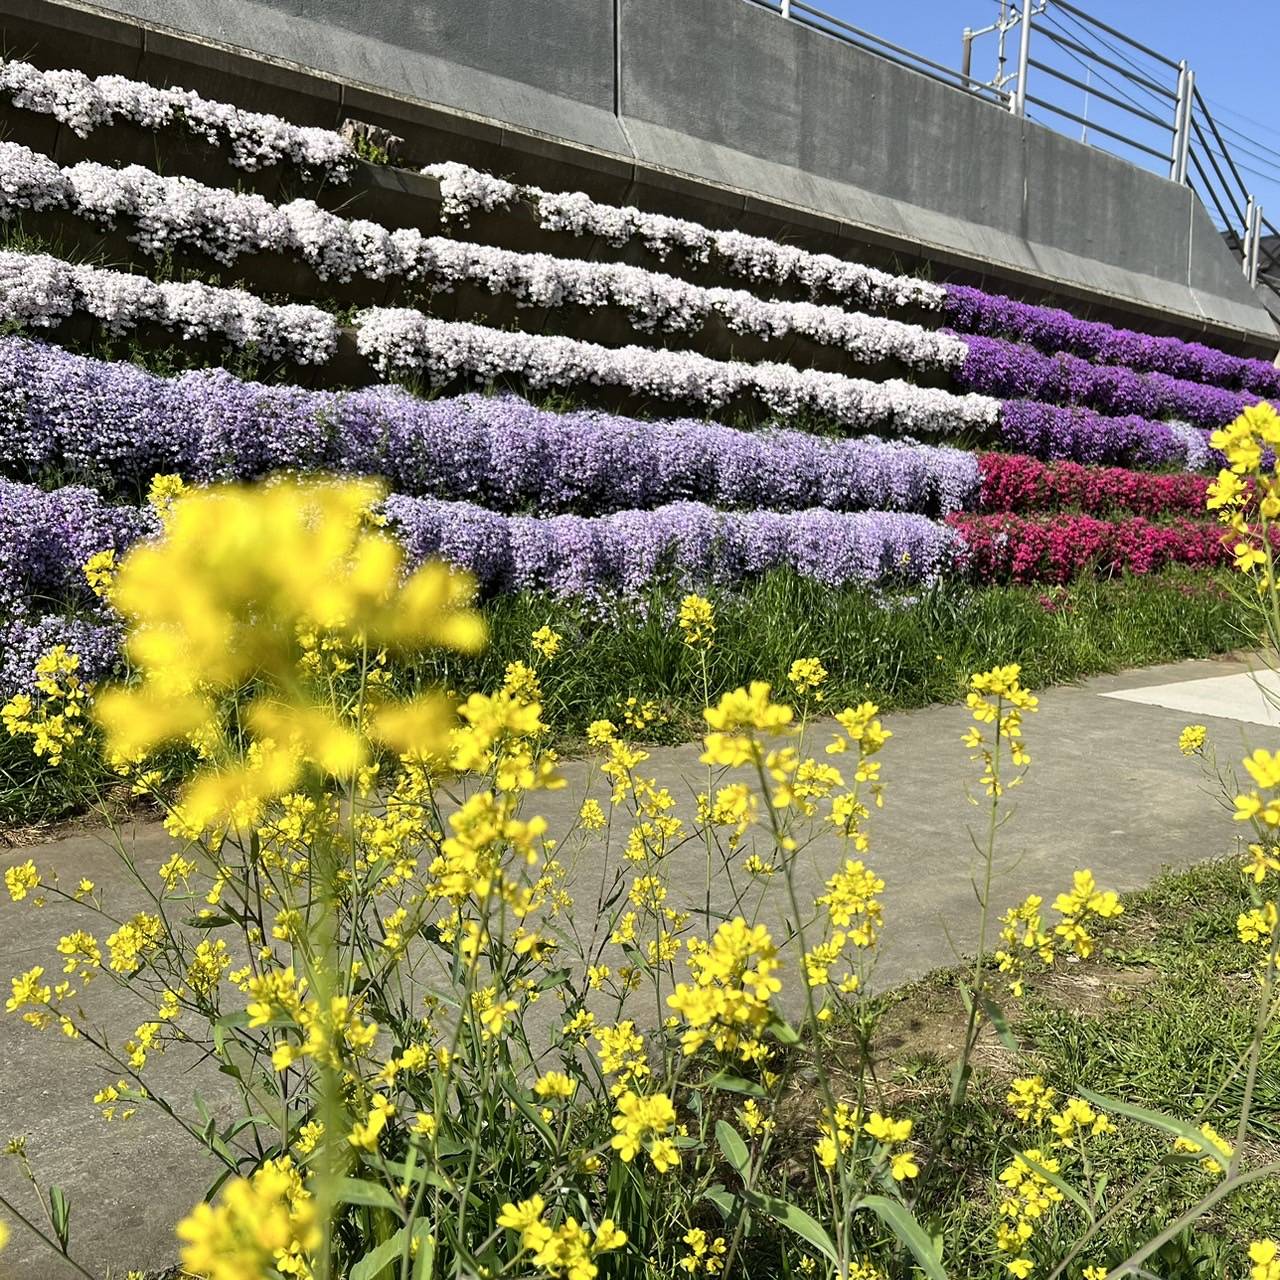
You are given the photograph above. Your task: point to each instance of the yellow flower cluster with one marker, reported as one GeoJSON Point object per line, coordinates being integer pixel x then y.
{"type": "Point", "coordinates": [697, 621]}
{"type": "Point", "coordinates": [21, 879]}
{"type": "Point", "coordinates": [163, 493]}
{"type": "Point", "coordinates": [1257, 926]}
{"type": "Point", "coordinates": [1077, 1117]}
{"type": "Point", "coordinates": [642, 1123]}
{"type": "Point", "coordinates": [1025, 935]}
{"type": "Point", "coordinates": [261, 1226]}
{"type": "Point", "coordinates": [840, 1129]}
{"type": "Point", "coordinates": [1027, 1192]}
{"type": "Point", "coordinates": [1026, 1196]}
{"type": "Point", "coordinates": [996, 697]}
{"type": "Point", "coordinates": [807, 676]}
{"type": "Point", "coordinates": [223, 597]}
{"type": "Point", "coordinates": [100, 572]}
{"type": "Point", "coordinates": [1192, 739]}
{"type": "Point", "coordinates": [1265, 1257]}
{"type": "Point", "coordinates": [567, 1251]}
{"type": "Point", "coordinates": [704, 1254]}
{"type": "Point", "coordinates": [1252, 806]}
{"type": "Point", "coordinates": [1245, 493]}
{"type": "Point", "coordinates": [1030, 1098]}
{"type": "Point", "coordinates": [736, 720]}
{"type": "Point", "coordinates": [734, 980]}
{"type": "Point", "coordinates": [1215, 1148]}
{"type": "Point", "coordinates": [546, 642]}
{"type": "Point", "coordinates": [54, 719]}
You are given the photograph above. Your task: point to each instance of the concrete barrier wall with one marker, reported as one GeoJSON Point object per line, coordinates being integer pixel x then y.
{"type": "Point", "coordinates": [722, 110]}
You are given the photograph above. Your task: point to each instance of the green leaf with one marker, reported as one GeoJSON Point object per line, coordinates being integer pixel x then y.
{"type": "Point", "coordinates": [529, 1112]}
{"type": "Point", "coordinates": [900, 1220]}
{"type": "Point", "coordinates": [377, 1259]}
{"type": "Point", "coordinates": [207, 922]}
{"type": "Point", "coordinates": [998, 1020]}
{"type": "Point", "coordinates": [735, 1150]}
{"type": "Point", "coordinates": [1153, 1119]}
{"type": "Point", "coordinates": [556, 978]}
{"type": "Point", "coordinates": [796, 1221]}
{"type": "Point", "coordinates": [60, 1212]}
{"type": "Point", "coordinates": [424, 1267]}
{"type": "Point", "coordinates": [735, 1084]}
{"type": "Point", "coordinates": [726, 1203]}
{"type": "Point", "coordinates": [357, 1191]}
{"type": "Point", "coordinates": [784, 1032]}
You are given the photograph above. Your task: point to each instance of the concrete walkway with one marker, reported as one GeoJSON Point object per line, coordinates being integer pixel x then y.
{"type": "Point", "coordinates": [1108, 789]}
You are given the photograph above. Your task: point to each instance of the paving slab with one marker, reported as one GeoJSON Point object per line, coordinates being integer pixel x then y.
{"type": "Point", "coordinates": [1249, 696]}
{"type": "Point", "coordinates": [1107, 789]}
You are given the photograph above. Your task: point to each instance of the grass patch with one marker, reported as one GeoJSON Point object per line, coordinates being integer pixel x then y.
{"type": "Point", "coordinates": [898, 651]}
{"type": "Point", "coordinates": [1158, 1018]}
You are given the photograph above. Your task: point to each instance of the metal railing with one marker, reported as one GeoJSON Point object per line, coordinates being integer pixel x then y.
{"type": "Point", "coordinates": [1069, 69]}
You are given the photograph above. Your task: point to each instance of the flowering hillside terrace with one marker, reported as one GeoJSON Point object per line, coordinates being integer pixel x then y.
{"type": "Point", "coordinates": [813, 415]}
{"type": "Point", "coordinates": [329, 543]}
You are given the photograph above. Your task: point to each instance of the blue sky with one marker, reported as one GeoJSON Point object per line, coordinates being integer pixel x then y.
{"type": "Point", "coordinates": [1230, 44]}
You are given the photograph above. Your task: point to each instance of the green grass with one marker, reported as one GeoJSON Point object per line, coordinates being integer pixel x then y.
{"type": "Point", "coordinates": [897, 651]}
{"type": "Point", "coordinates": [1158, 1018]}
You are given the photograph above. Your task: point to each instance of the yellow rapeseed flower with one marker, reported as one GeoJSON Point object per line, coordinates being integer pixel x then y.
{"type": "Point", "coordinates": [546, 642]}
{"type": "Point", "coordinates": [260, 1226]}
{"type": "Point", "coordinates": [1265, 1257]}
{"type": "Point", "coordinates": [697, 622]}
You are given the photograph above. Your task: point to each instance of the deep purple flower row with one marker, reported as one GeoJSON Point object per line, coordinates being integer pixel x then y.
{"type": "Point", "coordinates": [974, 311]}
{"type": "Point", "coordinates": [1010, 369]}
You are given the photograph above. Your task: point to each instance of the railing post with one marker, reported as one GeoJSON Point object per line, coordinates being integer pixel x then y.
{"type": "Point", "coordinates": [1182, 124]}
{"type": "Point", "coordinates": [1019, 103]}
{"type": "Point", "coordinates": [786, 8]}
{"type": "Point", "coordinates": [1246, 247]}
{"type": "Point", "coordinates": [1255, 245]}
{"type": "Point", "coordinates": [966, 55]}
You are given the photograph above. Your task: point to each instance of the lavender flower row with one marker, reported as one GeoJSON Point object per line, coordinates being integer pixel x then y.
{"type": "Point", "coordinates": [254, 140]}
{"type": "Point", "coordinates": [627, 553]}
{"type": "Point", "coordinates": [755, 258]}
{"type": "Point", "coordinates": [23, 642]}
{"type": "Point", "coordinates": [1051, 329]}
{"type": "Point", "coordinates": [176, 212]}
{"type": "Point", "coordinates": [1002, 368]}
{"type": "Point", "coordinates": [114, 425]}
{"type": "Point", "coordinates": [46, 537]}
{"type": "Point", "coordinates": [43, 291]}
{"type": "Point", "coordinates": [397, 340]}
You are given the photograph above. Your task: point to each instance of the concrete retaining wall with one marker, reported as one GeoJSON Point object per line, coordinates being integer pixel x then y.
{"type": "Point", "coordinates": [717, 109]}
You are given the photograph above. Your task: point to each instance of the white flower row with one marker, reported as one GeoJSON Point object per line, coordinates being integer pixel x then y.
{"type": "Point", "coordinates": [464, 190]}
{"type": "Point", "coordinates": [176, 212]}
{"type": "Point", "coordinates": [42, 291]}
{"type": "Point", "coordinates": [257, 140]}
{"type": "Point", "coordinates": [254, 139]}
{"type": "Point", "coordinates": [397, 340]}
